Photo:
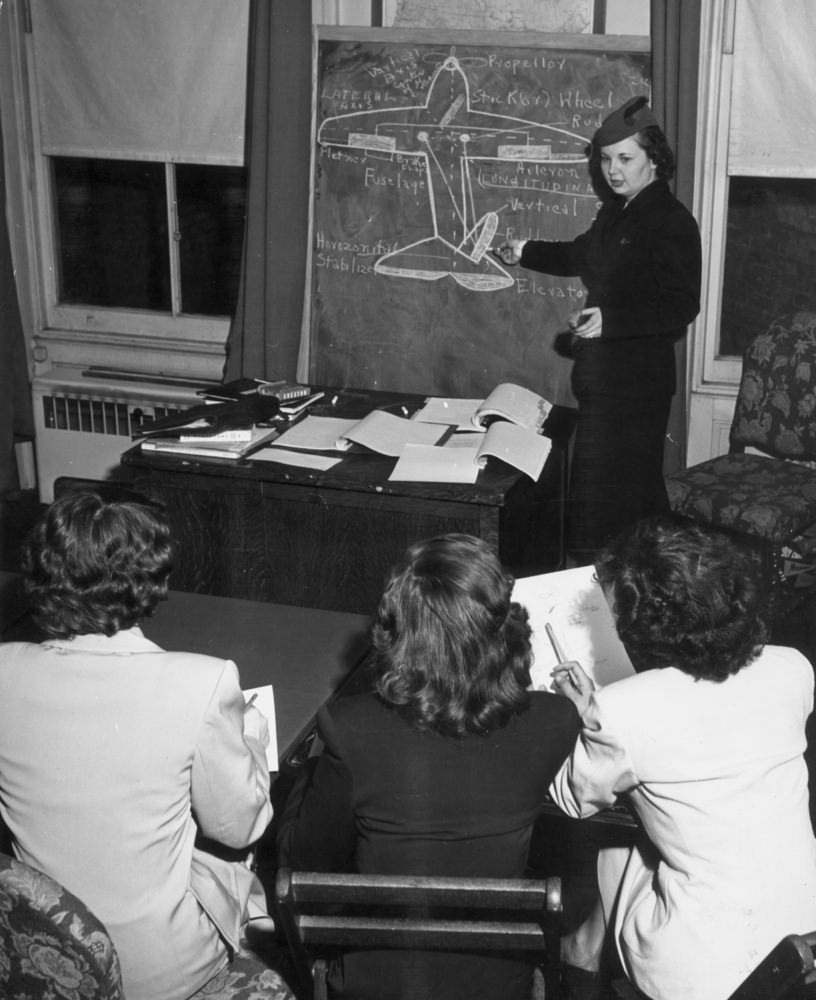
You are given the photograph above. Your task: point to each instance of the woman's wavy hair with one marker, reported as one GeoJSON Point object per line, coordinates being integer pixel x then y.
{"type": "Point", "coordinates": [654, 143]}
{"type": "Point", "coordinates": [452, 650]}
{"type": "Point", "coordinates": [96, 565]}
{"type": "Point", "coordinates": [685, 596]}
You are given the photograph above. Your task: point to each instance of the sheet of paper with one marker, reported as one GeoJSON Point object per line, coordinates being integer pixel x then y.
{"type": "Point", "coordinates": [315, 433]}
{"type": "Point", "coordinates": [458, 412]}
{"type": "Point", "coordinates": [265, 703]}
{"type": "Point", "coordinates": [388, 434]}
{"type": "Point", "coordinates": [423, 463]}
{"type": "Point", "coordinates": [301, 459]}
{"type": "Point", "coordinates": [574, 605]}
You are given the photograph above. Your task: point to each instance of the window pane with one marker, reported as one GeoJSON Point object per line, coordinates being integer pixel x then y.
{"type": "Point", "coordinates": [769, 253]}
{"type": "Point", "coordinates": [112, 233]}
{"type": "Point", "coordinates": [211, 212]}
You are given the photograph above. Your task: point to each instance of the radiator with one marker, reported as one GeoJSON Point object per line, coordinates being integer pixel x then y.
{"type": "Point", "coordinates": [82, 425]}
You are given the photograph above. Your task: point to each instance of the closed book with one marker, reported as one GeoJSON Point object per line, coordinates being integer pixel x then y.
{"type": "Point", "coordinates": [209, 448]}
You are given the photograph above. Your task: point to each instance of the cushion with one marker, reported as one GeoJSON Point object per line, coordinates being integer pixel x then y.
{"type": "Point", "coordinates": [51, 945]}
{"type": "Point", "coordinates": [768, 498]}
{"type": "Point", "coordinates": [776, 405]}
{"type": "Point", "coordinates": [245, 978]}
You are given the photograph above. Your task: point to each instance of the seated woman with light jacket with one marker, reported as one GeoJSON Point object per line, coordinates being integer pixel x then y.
{"type": "Point", "coordinates": [706, 742]}
{"type": "Point", "coordinates": [115, 755]}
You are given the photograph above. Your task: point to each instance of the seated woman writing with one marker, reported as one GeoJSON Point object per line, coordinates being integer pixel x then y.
{"type": "Point", "coordinates": [442, 769]}
{"type": "Point", "coordinates": [115, 754]}
{"type": "Point", "coordinates": [706, 741]}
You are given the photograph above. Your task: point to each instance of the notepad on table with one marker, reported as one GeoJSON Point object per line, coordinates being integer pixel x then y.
{"type": "Point", "coordinates": [265, 703]}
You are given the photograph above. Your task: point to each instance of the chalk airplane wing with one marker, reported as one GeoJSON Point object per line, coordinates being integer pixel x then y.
{"type": "Point", "coordinates": [447, 133]}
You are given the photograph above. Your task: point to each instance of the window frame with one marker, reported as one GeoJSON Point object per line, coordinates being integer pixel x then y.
{"type": "Point", "coordinates": [713, 372]}
{"type": "Point", "coordinates": [145, 341]}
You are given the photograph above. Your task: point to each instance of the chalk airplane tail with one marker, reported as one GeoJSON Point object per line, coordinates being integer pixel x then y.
{"type": "Point", "coordinates": [434, 258]}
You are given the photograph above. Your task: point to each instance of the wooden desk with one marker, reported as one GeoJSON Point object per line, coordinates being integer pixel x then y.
{"type": "Point", "coordinates": [304, 653]}
{"type": "Point", "coordinates": [269, 532]}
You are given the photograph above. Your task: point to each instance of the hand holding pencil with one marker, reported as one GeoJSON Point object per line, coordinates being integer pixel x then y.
{"type": "Point", "coordinates": [569, 677]}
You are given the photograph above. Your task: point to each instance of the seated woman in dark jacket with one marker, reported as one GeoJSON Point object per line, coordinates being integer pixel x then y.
{"type": "Point", "coordinates": [443, 768]}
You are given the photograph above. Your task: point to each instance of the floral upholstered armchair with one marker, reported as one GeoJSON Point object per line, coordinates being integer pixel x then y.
{"type": "Point", "coordinates": [51, 945]}
{"type": "Point", "coordinates": [765, 487]}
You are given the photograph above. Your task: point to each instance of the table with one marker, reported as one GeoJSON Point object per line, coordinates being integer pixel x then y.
{"type": "Point", "coordinates": [309, 656]}
{"type": "Point", "coordinates": [306, 654]}
{"type": "Point", "coordinates": [263, 531]}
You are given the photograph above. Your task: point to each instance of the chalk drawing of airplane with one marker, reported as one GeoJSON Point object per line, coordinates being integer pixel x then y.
{"type": "Point", "coordinates": [448, 134]}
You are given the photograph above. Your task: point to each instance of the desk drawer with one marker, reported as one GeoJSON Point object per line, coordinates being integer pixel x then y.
{"type": "Point", "coordinates": [334, 548]}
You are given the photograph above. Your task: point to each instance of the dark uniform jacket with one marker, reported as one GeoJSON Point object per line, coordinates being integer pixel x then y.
{"type": "Point", "coordinates": [387, 798]}
{"type": "Point", "coordinates": [641, 264]}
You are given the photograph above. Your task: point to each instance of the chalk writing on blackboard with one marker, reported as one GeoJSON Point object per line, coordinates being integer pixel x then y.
{"type": "Point", "coordinates": [429, 149]}
{"type": "Point", "coordinates": [453, 139]}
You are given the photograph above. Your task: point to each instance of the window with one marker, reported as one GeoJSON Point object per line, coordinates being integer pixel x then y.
{"type": "Point", "coordinates": [770, 248]}
{"type": "Point", "coordinates": [122, 242]}
{"type": "Point", "coordinates": [758, 174]}
{"type": "Point", "coordinates": [135, 213]}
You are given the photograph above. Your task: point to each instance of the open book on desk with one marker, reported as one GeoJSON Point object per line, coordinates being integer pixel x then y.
{"type": "Point", "coordinates": [462, 456]}
{"type": "Point", "coordinates": [572, 603]}
{"type": "Point", "coordinates": [507, 401]}
{"type": "Point", "coordinates": [379, 431]}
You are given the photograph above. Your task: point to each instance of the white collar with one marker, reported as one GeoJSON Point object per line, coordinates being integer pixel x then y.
{"type": "Point", "coordinates": [124, 643]}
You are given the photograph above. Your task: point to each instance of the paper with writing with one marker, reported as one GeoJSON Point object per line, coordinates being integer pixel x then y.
{"type": "Point", "coordinates": [265, 703]}
{"type": "Point", "coordinates": [572, 602]}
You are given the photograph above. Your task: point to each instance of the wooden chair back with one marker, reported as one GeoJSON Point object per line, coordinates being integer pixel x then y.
{"type": "Point", "coordinates": [323, 912]}
{"type": "Point", "coordinates": [786, 973]}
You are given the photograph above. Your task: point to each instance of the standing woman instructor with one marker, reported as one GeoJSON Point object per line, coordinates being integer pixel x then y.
{"type": "Point", "coordinates": [641, 263]}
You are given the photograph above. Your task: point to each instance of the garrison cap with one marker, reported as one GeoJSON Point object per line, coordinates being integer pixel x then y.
{"type": "Point", "coordinates": [625, 121]}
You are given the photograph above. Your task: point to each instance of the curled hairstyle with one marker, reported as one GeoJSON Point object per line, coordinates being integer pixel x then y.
{"type": "Point", "coordinates": [685, 596]}
{"type": "Point", "coordinates": [656, 146]}
{"type": "Point", "coordinates": [452, 651]}
{"type": "Point", "coordinates": [93, 565]}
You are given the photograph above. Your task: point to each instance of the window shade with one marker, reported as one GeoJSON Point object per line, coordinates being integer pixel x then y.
{"type": "Point", "coordinates": [773, 111]}
{"type": "Point", "coordinates": [142, 79]}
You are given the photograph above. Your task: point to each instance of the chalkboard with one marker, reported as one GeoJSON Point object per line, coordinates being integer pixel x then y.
{"type": "Point", "coordinates": [428, 151]}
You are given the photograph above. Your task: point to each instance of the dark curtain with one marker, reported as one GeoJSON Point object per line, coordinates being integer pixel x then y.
{"type": "Point", "coordinates": [675, 28]}
{"type": "Point", "coordinates": [16, 418]}
{"type": "Point", "coordinates": [265, 334]}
